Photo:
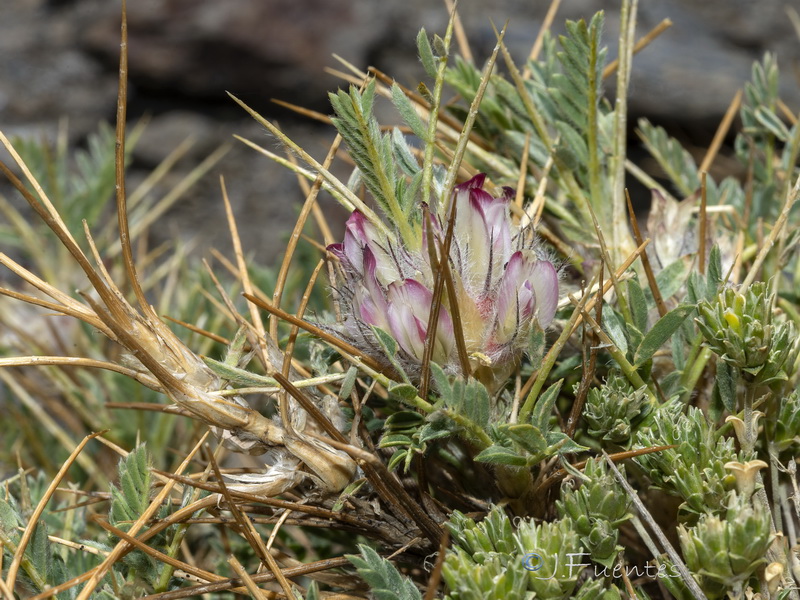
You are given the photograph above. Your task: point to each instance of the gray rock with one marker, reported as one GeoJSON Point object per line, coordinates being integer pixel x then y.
{"type": "Point", "coordinates": [60, 60]}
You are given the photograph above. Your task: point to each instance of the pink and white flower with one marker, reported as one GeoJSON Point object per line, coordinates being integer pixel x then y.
{"type": "Point", "coordinates": [504, 285]}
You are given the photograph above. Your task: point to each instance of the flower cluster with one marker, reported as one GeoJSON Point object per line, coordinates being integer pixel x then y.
{"type": "Point", "coordinates": [596, 509]}
{"type": "Point", "coordinates": [695, 468]}
{"type": "Point", "coordinates": [726, 551]}
{"type": "Point", "coordinates": [739, 327]}
{"type": "Point", "coordinates": [612, 410]}
{"type": "Point", "coordinates": [503, 283]}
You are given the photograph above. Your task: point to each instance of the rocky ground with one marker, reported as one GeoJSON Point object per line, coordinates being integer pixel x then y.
{"type": "Point", "coordinates": [58, 58]}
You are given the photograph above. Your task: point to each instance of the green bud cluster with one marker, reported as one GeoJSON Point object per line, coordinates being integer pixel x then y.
{"type": "Point", "coordinates": [596, 508]}
{"type": "Point", "coordinates": [491, 560]}
{"type": "Point", "coordinates": [739, 328]}
{"type": "Point", "coordinates": [483, 560]}
{"type": "Point", "coordinates": [553, 543]}
{"type": "Point", "coordinates": [494, 579]}
{"type": "Point", "coordinates": [724, 552]}
{"type": "Point", "coordinates": [694, 469]}
{"type": "Point", "coordinates": [787, 425]}
{"type": "Point", "coordinates": [611, 410]}
{"type": "Point", "coordinates": [493, 535]}
{"type": "Point", "coordinates": [594, 589]}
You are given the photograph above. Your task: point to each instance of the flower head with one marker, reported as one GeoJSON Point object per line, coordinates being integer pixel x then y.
{"type": "Point", "coordinates": [503, 283]}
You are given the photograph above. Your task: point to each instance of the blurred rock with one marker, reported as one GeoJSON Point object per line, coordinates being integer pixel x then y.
{"type": "Point", "coordinates": [60, 59]}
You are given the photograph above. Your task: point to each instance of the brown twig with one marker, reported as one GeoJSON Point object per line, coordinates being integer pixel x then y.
{"type": "Point", "coordinates": [13, 568]}
{"type": "Point", "coordinates": [246, 528]}
{"type": "Point", "coordinates": [121, 548]}
{"type": "Point", "coordinates": [643, 42]}
{"type": "Point", "coordinates": [557, 476]}
{"type": "Point", "coordinates": [199, 330]}
{"type": "Point", "coordinates": [722, 131]}
{"type": "Point", "coordinates": [252, 586]}
{"type": "Point", "coordinates": [386, 485]}
{"type": "Point", "coordinates": [209, 588]}
{"type": "Point", "coordinates": [119, 169]}
{"type": "Point", "coordinates": [305, 211]}
{"type": "Point", "coordinates": [458, 155]}
{"type": "Point", "coordinates": [648, 269]}
{"type": "Point", "coordinates": [537, 44]}
{"type": "Point", "coordinates": [289, 351]}
{"type": "Point", "coordinates": [436, 573]}
{"type": "Point", "coordinates": [458, 29]}
{"type": "Point", "coordinates": [159, 556]}
{"type": "Point", "coordinates": [323, 335]}
{"type": "Point", "coordinates": [589, 366]}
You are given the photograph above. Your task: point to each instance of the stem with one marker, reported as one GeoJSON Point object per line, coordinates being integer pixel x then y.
{"type": "Point", "coordinates": [774, 467]}
{"type": "Point", "coordinates": [550, 359]}
{"type": "Point", "coordinates": [750, 431]}
{"type": "Point", "coordinates": [630, 372]}
{"type": "Point", "coordinates": [430, 143]}
{"type": "Point", "coordinates": [698, 366]}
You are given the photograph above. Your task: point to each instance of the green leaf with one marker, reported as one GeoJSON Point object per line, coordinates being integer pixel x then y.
{"type": "Point", "coordinates": [370, 150]}
{"type": "Point", "coordinates": [398, 457]}
{"type": "Point", "coordinates": [726, 385]}
{"type": "Point", "coordinates": [442, 381]}
{"type": "Point", "coordinates": [313, 592]}
{"type": "Point", "coordinates": [433, 431]}
{"type": "Point", "coordinates": [540, 415]}
{"type": "Point", "coordinates": [529, 437]}
{"type": "Point", "coordinates": [406, 391]}
{"type": "Point", "coordinates": [131, 499]}
{"type": "Point", "coordinates": [347, 492]}
{"type": "Point", "coordinates": [389, 347]}
{"type": "Point", "coordinates": [476, 403]}
{"type": "Point", "coordinates": [714, 273]}
{"type": "Point", "coordinates": [562, 444]}
{"type": "Point", "coordinates": [638, 304]}
{"type": "Point", "coordinates": [669, 280]}
{"type": "Point", "coordinates": [613, 325]}
{"type": "Point", "coordinates": [696, 288]}
{"type": "Point", "coordinates": [573, 142]}
{"type": "Point", "coordinates": [678, 343]}
{"type": "Point", "coordinates": [403, 155]}
{"type": "Point", "coordinates": [426, 54]}
{"type": "Point", "coordinates": [236, 349]}
{"type": "Point", "coordinates": [404, 420]}
{"type": "Point", "coordinates": [348, 382]}
{"type": "Point", "coordinates": [385, 581]}
{"type": "Point", "coordinates": [408, 113]}
{"type": "Point", "coordinates": [40, 553]}
{"type": "Point", "coordinates": [771, 122]}
{"type": "Point", "coordinates": [661, 332]}
{"type": "Point", "coordinates": [671, 156]}
{"type": "Point", "coordinates": [500, 455]}
{"type": "Point", "coordinates": [393, 440]}
{"type": "Point", "coordinates": [9, 520]}
{"type": "Point", "coordinates": [237, 376]}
